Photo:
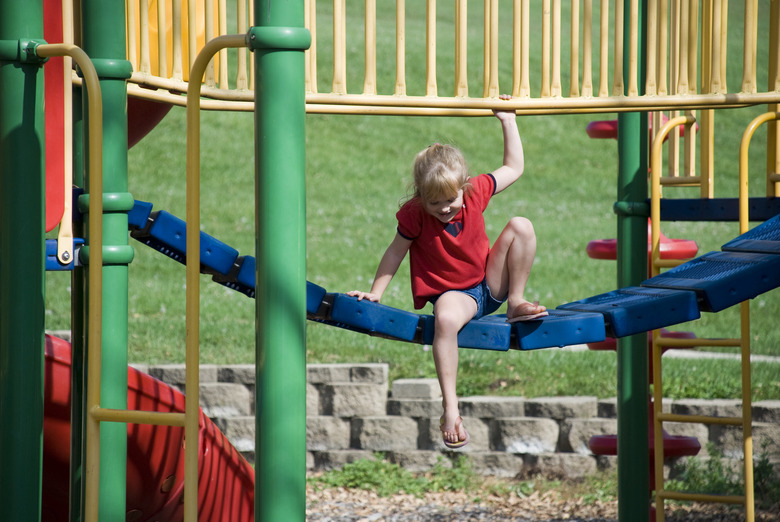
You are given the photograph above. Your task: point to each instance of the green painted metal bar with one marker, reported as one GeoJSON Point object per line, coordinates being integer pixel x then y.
{"type": "Point", "coordinates": [280, 439]}
{"type": "Point", "coordinates": [22, 164]}
{"type": "Point", "coordinates": [103, 39]}
{"type": "Point", "coordinates": [632, 352]}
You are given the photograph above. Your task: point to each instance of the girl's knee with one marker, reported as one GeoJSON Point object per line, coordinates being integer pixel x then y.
{"type": "Point", "coordinates": [522, 227]}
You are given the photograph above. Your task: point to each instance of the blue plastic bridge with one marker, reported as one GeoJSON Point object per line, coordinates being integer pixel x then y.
{"type": "Point", "coordinates": [747, 266]}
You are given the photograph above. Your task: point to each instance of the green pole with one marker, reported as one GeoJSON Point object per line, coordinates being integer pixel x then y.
{"type": "Point", "coordinates": [103, 39]}
{"type": "Point", "coordinates": [280, 440]}
{"type": "Point", "coordinates": [22, 261]}
{"type": "Point", "coordinates": [632, 352]}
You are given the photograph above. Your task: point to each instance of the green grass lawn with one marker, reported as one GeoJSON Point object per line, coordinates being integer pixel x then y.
{"type": "Point", "coordinates": [357, 170]}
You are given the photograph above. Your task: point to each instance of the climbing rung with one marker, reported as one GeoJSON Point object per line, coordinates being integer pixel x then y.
{"type": "Point", "coordinates": [700, 419]}
{"type": "Point", "coordinates": [635, 310]}
{"type": "Point", "coordinates": [700, 497]}
{"type": "Point", "coordinates": [765, 238]}
{"type": "Point", "coordinates": [487, 333]}
{"type": "Point", "coordinates": [559, 328]}
{"type": "Point", "coordinates": [722, 279]}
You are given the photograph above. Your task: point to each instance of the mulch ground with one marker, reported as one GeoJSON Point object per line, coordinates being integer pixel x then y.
{"type": "Point", "coordinates": [353, 505]}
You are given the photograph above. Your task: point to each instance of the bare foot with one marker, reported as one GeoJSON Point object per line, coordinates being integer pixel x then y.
{"type": "Point", "coordinates": [525, 311]}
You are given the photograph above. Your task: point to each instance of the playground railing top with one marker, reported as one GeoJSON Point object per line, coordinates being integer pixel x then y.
{"type": "Point", "coordinates": [552, 56]}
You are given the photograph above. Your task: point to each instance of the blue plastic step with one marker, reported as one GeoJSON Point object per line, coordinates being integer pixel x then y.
{"type": "Point", "coordinates": [722, 279]}
{"type": "Point", "coordinates": [372, 318]}
{"type": "Point", "coordinates": [558, 329]}
{"type": "Point", "coordinates": [765, 238]}
{"type": "Point", "coordinates": [241, 277]}
{"type": "Point", "coordinates": [486, 333]}
{"type": "Point", "coordinates": [138, 216]}
{"type": "Point", "coordinates": [634, 309]}
{"type": "Point", "coordinates": [52, 261]}
{"type": "Point", "coordinates": [314, 296]}
{"type": "Point", "coordinates": [168, 234]}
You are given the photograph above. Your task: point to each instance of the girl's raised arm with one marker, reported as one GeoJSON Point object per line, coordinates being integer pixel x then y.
{"type": "Point", "coordinates": [514, 159]}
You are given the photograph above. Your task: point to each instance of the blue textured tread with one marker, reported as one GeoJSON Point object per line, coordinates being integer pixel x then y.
{"type": "Point", "coordinates": [559, 328]}
{"type": "Point", "coordinates": [765, 238]}
{"type": "Point", "coordinates": [634, 309]}
{"type": "Point", "coordinates": [486, 333]}
{"type": "Point", "coordinates": [722, 279]}
{"type": "Point", "coordinates": [373, 318]}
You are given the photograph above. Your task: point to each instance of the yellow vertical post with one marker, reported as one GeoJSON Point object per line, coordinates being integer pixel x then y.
{"type": "Point", "coordinates": [587, 49]}
{"type": "Point", "coordinates": [461, 48]}
{"type": "Point", "coordinates": [369, 81]}
{"type": "Point", "coordinates": [430, 49]}
{"type": "Point", "coordinates": [400, 47]}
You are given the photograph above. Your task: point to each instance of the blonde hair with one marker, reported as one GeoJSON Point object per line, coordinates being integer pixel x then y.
{"type": "Point", "coordinates": [439, 172]}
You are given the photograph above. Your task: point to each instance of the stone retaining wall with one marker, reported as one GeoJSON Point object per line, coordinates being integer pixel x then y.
{"type": "Point", "coordinates": [353, 413]}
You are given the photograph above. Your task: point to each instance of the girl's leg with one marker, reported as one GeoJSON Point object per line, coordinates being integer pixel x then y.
{"type": "Point", "coordinates": [509, 265]}
{"type": "Point", "coordinates": [451, 312]}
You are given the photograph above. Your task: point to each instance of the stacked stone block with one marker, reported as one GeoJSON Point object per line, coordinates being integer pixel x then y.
{"type": "Point", "coordinates": [353, 413]}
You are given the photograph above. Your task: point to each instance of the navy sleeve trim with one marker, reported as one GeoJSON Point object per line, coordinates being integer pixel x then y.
{"type": "Point", "coordinates": [398, 229]}
{"type": "Point", "coordinates": [495, 184]}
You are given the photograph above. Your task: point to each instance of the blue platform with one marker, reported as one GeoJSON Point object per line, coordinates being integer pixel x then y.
{"type": "Point", "coordinates": [722, 279]}
{"type": "Point", "coordinates": [634, 310]}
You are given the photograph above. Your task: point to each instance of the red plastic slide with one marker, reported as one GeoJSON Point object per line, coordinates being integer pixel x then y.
{"type": "Point", "coordinates": [155, 454]}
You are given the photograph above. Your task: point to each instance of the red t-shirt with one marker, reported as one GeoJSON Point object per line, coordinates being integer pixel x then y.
{"type": "Point", "coordinates": [447, 256]}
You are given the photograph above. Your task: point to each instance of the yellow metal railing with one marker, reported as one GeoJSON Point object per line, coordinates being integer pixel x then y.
{"type": "Point", "coordinates": [579, 41]}
{"type": "Point", "coordinates": [743, 342]}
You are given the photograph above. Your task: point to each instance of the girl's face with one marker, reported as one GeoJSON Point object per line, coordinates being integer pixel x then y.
{"type": "Point", "coordinates": [444, 208]}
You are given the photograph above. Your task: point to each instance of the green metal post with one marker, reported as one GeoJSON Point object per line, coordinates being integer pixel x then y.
{"type": "Point", "coordinates": [22, 261]}
{"type": "Point", "coordinates": [103, 39]}
{"type": "Point", "coordinates": [632, 352]}
{"type": "Point", "coordinates": [280, 440]}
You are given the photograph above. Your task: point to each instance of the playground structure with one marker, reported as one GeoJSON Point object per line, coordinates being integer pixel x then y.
{"type": "Point", "coordinates": [111, 68]}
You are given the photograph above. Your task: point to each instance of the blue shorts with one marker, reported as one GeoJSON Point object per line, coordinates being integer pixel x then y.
{"type": "Point", "coordinates": [486, 303]}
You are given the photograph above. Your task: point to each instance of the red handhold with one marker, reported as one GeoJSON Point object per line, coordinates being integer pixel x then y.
{"type": "Point", "coordinates": [670, 248]}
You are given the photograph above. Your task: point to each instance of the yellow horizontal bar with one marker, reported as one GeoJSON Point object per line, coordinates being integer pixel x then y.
{"type": "Point", "coordinates": [616, 103]}
{"type": "Point", "coordinates": [681, 180]}
{"type": "Point", "coordinates": [138, 417]}
{"type": "Point", "coordinates": [700, 419]}
{"type": "Point", "coordinates": [221, 99]}
{"type": "Point", "coordinates": [669, 263]}
{"type": "Point", "coordinates": [701, 497]}
{"type": "Point", "coordinates": [674, 342]}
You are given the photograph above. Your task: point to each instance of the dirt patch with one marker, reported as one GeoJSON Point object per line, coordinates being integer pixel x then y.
{"type": "Point", "coordinates": [353, 505]}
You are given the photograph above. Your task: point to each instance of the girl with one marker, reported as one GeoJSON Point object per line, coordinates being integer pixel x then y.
{"type": "Point", "coordinates": [451, 262]}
